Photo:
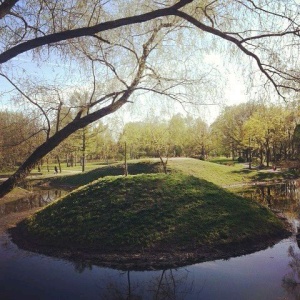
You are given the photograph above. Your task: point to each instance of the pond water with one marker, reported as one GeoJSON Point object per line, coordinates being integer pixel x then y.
{"type": "Point", "coordinates": [268, 274]}
{"type": "Point", "coordinates": [40, 198]}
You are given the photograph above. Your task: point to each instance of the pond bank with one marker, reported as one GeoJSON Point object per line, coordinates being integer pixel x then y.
{"type": "Point", "coordinates": [157, 259]}
{"type": "Point", "coordinates": [150, 222]}
{"type": "Point", "coordinates": [21, 204]}
{"type": "Point", "coordinates": [11, 220]}
{"type": "Point", "coordinates": [138, 261]}
{"type": "Point", "coordinates": [267, 274]}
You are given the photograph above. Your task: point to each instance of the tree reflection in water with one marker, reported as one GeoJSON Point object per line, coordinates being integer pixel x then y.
{"type": "Point", "coordinates": [165, 285]}
{"type": "Point", "coordinates": [81, 265]}
{"type": "Point", "coordinates": [38, 198]}
{"type": "Point", "coordinates": [291, 281]}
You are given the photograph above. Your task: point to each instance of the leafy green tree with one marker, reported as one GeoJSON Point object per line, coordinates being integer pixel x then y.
{"type": "Point", "coordinates": [120, 49]}
{"type": "Point", "coordinates": [228, 129]}
{"type": "Point", "coordinates": [266, 131]}
{"type": "Point", "coordinates": [103, 145]}
{"type": "Point", "coordinates": [199, 141]}
{"type": "Point", "coordinates": [160, 141]}
{"type": "Point", "coordinates": [135, 135]}
{"type": "Point", "coordinates": [18, 138]}
{"type": "Point", "coordinates": [178, 130]}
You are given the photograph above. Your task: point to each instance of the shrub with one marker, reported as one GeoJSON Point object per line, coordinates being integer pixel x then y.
{"type": "Point", "coordinates": [241, 159]}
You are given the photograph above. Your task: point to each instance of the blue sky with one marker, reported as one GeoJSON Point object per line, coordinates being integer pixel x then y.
{"type": "Point", "coordinates": [50, 71]}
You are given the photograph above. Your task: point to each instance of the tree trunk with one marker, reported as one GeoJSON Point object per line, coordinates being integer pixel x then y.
{"type": "Point", "coordinates": [268, 156]}
{"type": "Point", "coordinates": [59, 164]}
{"type": "Point", "coordinates": [83, 151]}
{"type": "Point", "coordinates": [261, 155]}
{"type": "Point", "coordinates": [47, 161]}
{"type": "Point", "coordinates": [164, 163]}
{"type": "Point", "coordinates": [125, 162]}
{"type": "Point", "coordinates": [55, 140]}
{"type": "Point", "coordinates": [232, 152]}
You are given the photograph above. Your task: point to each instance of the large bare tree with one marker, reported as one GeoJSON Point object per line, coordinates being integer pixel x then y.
{"type": "Point", "coordinates": [121, 43]}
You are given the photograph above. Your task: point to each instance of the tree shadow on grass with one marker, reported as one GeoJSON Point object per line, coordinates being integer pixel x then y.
{"type": "Point", "coordinates": [266, 174]}
{"type": "Point", "coordinates": [109, 170]}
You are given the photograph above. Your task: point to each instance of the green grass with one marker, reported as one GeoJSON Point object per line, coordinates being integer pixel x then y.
{"type": "Point", "coordinates": [219, 174]}
{"type": "Point", "coordinates": [150, 211]}
{"type": "Point", "coordinates": [136, 167]}
{"type": "Point", "coordinates": [222, 160]}
{"type": "Point", "coordinates": [225, 175]}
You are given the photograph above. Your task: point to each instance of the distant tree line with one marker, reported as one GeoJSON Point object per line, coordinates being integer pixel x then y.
{"type": "Point", "coordinates": [261, 132]}
{"type": "Point", "coordinates": [108, 54]}
{"type": "Point", "coordinates": [264, 132]}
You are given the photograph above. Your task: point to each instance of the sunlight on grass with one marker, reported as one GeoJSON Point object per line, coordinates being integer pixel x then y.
{"type": "Point", "coordinates": [218, 174]}
{"type": "Point", "coordinates": [150, 210]}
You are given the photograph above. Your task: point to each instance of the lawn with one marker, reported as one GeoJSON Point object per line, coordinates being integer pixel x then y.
{"type": "Point", "coordinates": [150, 212]}
{"type": "Point", "coordinates": [222, 175]}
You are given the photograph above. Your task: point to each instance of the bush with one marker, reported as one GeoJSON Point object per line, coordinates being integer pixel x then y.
{"type": "Point", "coordinates": [241, 159]}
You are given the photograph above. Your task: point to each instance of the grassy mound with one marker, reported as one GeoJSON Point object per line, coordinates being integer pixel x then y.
{"type": "Point", "coordinates": [137, 167]}
{"type": "Point", "coordinates": [153, 212]}
{"type": "Point", "coordinates": [228, 176]}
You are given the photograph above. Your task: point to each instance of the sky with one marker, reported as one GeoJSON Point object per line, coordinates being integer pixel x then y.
{"type": "Point", "coordinates": [232, 94]}
{"type": "Point", "coordinates": [232, 86]}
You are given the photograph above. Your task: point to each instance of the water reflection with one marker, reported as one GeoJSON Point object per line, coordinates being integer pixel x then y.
{"type": "Point", "coordinates": [273, 273]}
{"type": "Point", "coordinates": [165, 284]}
{"type": "Point", "coordinates": [275, 194]}
{"type": "Point", "coordinates": [80, 266]}
{"type": "Point", "coordinates": [36, 199]}
{"type": "Point", "coordinates": [280, 197]}
{"type": "Point", "coordinates": [291, 281]}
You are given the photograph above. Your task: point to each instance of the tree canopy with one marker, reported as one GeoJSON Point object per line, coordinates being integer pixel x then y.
{"type": "Point", "coordinates": [114, 51]}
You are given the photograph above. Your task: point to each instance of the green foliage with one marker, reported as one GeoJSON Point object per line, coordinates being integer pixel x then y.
{"type": "Point", "coordinates": [241, 159]}
{"type": "Point", "coordinates": [228, 127]}
{"type": "Point", "coordinates": [179, 136]}
{"type": "Point", "coordinates": [15, 127]}
{"type": "Point", "coordinates": [266, 130]}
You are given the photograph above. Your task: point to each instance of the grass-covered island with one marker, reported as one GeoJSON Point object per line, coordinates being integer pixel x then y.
{"type": "Point", "coordinates": [150, 221]}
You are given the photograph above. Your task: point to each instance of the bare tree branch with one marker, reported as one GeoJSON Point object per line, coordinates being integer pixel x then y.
{"type": "Point", "coordinates": [79, 122]}
{"type": "Point", "coordinates": [7, 146]}
{"type": "Point", "coordinates": [31, 101]}
{"type": "Point", "coordinates": [233, 40]}
{"type": "Point", "coordinates": [89, 31]}
{"type": "Point", "coordinates": [6, 6]}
